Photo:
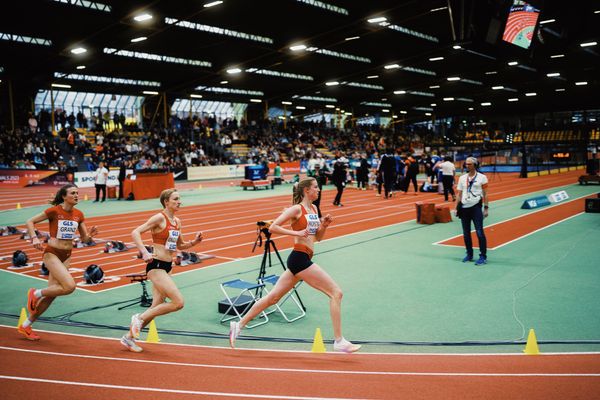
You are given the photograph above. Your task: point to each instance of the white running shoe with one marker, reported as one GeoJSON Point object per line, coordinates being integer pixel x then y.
{"type": "Point", "coordinates": [345, 346]}
{"type": "Point", "coordinates": [136, 325]}
{"type": "Point", "coordinates": [131, 344]}
{"type": "Point", "coordinates": [234, 332]}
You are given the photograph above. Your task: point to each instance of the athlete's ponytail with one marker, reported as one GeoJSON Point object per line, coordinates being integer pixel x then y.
{"type": "Point", "coordinates": [299, 189]}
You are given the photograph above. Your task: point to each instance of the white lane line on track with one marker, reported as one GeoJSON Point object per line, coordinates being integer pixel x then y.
{"type": "Point", "coordinates": [300, 370]}
{"type": "Point", "coordinates": [161, 390]}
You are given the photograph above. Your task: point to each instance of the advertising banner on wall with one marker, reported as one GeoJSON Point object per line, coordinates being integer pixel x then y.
{"type": "Point", "coordinates": [287, 168]}
{"type": "Point", "coordinates": [216, 172]}
{"type": "Point", "coordinates": [15, 178]}
{"type": "Point", "coordinates": [87, 179]}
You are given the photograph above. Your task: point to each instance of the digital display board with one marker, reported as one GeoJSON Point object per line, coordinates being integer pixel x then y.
{"type": "Point", "coordinates": [520, 24]}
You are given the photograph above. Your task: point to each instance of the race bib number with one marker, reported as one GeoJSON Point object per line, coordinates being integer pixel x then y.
{"type": "Point", "coordinates": [171, 243]}
{"type": "Point", "coordinates": [313, 223]}
{"type": "Point", "coordinates": [66, 229]}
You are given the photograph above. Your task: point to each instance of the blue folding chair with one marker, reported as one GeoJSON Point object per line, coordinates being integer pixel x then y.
{"type": "Point", "coordinates": [239, 304]}
{"type": "Point", "coordinates": [271, 280]}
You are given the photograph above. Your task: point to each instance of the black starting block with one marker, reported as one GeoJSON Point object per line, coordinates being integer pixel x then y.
{"type": "Point", "coordinates": [43, 236]}
{"type": "Point", "coordinates": [10, 230]}
{"type": "Point", "coordinates": [115, 246]}
{"type": "Point", "coordinates": [78, 244]}
{"type": "Point", "coordinates": [187, 258]}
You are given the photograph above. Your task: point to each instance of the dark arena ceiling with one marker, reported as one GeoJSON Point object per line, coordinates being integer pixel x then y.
{"type": "Point", "coordinates": [194, 46]}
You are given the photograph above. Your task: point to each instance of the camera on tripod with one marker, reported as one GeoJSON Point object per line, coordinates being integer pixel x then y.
{"type": "Point", "coordinates": [263, 226]}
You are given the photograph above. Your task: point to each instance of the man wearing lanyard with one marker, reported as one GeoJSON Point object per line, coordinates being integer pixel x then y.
{"type": "Point", "coordinates": [472, 195]}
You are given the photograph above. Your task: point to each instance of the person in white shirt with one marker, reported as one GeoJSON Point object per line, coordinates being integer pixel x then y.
{"type": "Point", "coordinates": [448, 171]}
{"type": "Point", "coordinates": [472, 195]}
{"type": "Point", "coordinates": [101, 177]}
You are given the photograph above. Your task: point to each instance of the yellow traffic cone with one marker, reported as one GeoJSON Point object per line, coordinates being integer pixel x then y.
{"type": "Point", "coordinates": [152, 333]}
{"type": "Point", "coordinates": [18, 206]}
{"type": "Point", "coordinates": [318, 345]}
{"type": "Point", "coordinates": [531, 347]}
{"type": "Point", "coordinates": [22, 317]}
{"type": "Point", "coordinates": [85, 197]}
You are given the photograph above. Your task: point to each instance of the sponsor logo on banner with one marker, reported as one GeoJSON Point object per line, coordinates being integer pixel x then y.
{"type": "Point", "coordinates": [23, 178]}
{"type": "Point", "coordinates": [88, 179]}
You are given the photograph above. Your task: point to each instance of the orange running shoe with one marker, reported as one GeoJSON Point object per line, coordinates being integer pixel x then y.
{"type": "Point", "coordinates": [28, 332]}
{"type": "Point", "coordinates": [31, 301]}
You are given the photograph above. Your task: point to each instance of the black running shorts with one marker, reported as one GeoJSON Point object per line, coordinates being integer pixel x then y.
{"type": "Point", "coordinates": [158, 264]}
{"type": "Point", "coordinates": [298, 261]}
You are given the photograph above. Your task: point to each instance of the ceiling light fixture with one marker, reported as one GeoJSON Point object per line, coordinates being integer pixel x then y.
{"type": "Point", "coordinates": [332, 83]}
{"type": "Point", "coordinates": [298, 47]}
{"type": "Point", "coordinates": [531, 94]}
{"type": "Point", "coordinates": [78, 50]}
{"type": "Point", "coordinates": [300, 108]}
{"type": "Point", "coordinates": [138, 39]}
{"type": "Point", "coordinates": [352, 38]}
{"type": "Point", "coordinates": [212, 4]}
{"type": "Point", "coordinates": [376, 20]}
{"type": "Point", "coordinates": [453, 78]}
{"type": "Point", "coordinates": [582, 83]}
{"type": "Point", "coordinates": [81, 67]}
{"type": "Point", "coordinates": [403, 112]}
{"type": "Point", "coordinates": [150, 92]}
{"type": "Point", "coordinates": [547, 21]}
{"type": "Point", "coordinates": [491, 72]}
{"type": "Point", "coordinates": [143, 17]}
{"type": "Point", "coordinates": [256, 100]}
{"type": "Point", "coordinates": [448, 98]}
{"type": "Point", "coordinates": [486, 104]}
{"type": "Point", "coordinates": [497, 87]}
{"type": "Point", "coordinates": [224, 82]}
{"type": "Point", "coordinates": [434, 87]}
{"type": "Point", "coordinates": [234, 70]}
{"type": "Point", "coordinates": [559, 90]}
{"type": "Point", "coordinates": [513, 63]}
{"type": "Point", "coordinates": [514, 99]}
{"type": "Point", "coordinates": [196, 96]}
{"type": "Point", "coordinates": [553, 74]}
{"type": "Point", "coordinates": [287, 103]}
{"type": "Point", "coordinates": [329, 106]}
{"type": "Point", "coordinates": [400, 92]}
{"type": "Point", "coordinates": [456, 47]}
{"type": "Point", "coordinates": [60, 85]}
{"type": "Point", "coordinates": [588, 44]}
{"type": "Point", "coordinates": [436, 58]}
{"type": "Point", "coordinates": [438, 9]}
{"type": "Point", "coordinates": [557, 56]}
{"type": "Point", "coordinates": [392, 66]}
{"type": "Point", "coordinates": [372, 76]}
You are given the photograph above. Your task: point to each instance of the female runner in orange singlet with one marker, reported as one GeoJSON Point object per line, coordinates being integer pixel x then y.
{"type": "Point", "coordinates": [167, 239]}
{"type": "Point", "coordinates": [65, 221]}
{"type": "Point", "coordinates": [307, 228]}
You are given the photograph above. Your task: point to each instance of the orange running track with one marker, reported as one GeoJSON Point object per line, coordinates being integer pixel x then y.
{"type": "Point", "coordinates": [502, 233]}
{"type": "Point", "coordinates": [64, 366]}
{"type": "Point", "coordinates": [230, 228]}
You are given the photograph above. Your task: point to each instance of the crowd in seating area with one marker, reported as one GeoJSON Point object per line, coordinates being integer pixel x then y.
{"type": "Point", "coordinates": [199, 141]}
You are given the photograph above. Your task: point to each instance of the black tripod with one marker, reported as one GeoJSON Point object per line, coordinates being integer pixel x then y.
{"type": "Point", "coordinates": [269, 243]}
{"type": "Point", "coordinates": [144, 300]}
